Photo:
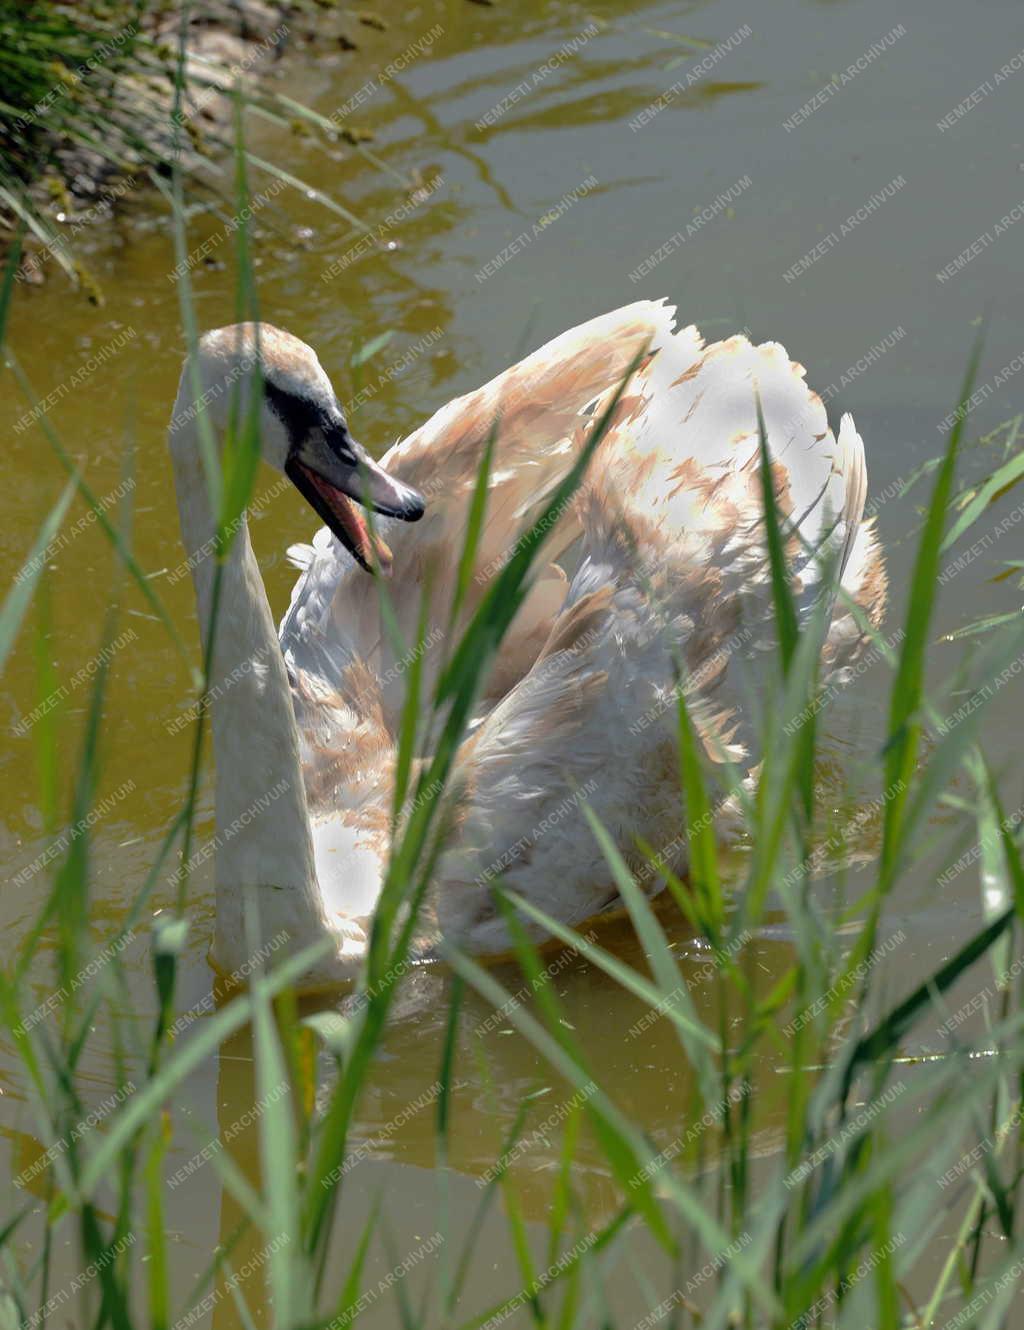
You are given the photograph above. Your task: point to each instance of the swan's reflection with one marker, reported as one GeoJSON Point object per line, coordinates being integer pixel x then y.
{"type": "Point", "coordinates": [632, 1052]}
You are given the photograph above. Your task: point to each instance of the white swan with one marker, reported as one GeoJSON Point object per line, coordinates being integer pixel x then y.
{"type": "Point", "coordinates": [659, 555]}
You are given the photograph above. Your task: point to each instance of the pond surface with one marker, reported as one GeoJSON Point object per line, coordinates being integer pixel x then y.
{"type": "Point", "coordinates": [537, 164]}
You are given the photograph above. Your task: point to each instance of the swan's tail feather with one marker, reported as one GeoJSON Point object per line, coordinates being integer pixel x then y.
{"type": "Point", "coordinates": [866, 584]}
{"type": "Point", "coordinates": [684, 456]}
{"type": "Point", "coordinates": [677, 501]}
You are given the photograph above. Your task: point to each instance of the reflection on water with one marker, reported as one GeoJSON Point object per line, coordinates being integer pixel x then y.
{"type": "Point", "coordinates": [510, 124]}
{"type": "Point", "coordinates": [635, 1053]}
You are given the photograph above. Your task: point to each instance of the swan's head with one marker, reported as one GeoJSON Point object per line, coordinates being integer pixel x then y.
{"type": "Point", "coordinates": [303, 431]}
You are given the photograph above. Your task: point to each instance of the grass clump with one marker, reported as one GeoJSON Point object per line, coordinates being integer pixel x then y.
{"type": "Point", "coordinates": [105, 97]}
{"type": "Point", "coordinates": [59, 64]}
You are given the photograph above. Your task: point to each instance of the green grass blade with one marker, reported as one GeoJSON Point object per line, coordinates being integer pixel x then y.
{"type": "Point", "coordinates": [626, 977]}
{"type": "Point", "coordinates": [409, 726]}
{"type": "Point", "coordinates": [507, 591]}
{"type": "Point", "coordinates": [886, 1035]}
{"type": "Point", "coordinates": [663, 964]}
{"type": "Point", "coordinates": [474, 525]}
{"type": "Point", "coordinates": [908, 685]}
{"type": "Point", "coordinates": [345, 1311]}
{"type": "Point", "coordinates": [19, 597]}
{"type": "Point", "coordinates": [997, 484]}
{"type": "Point", "coordinates": [782, 595]}
{"type": "Point", "coordinates": [699, 823]}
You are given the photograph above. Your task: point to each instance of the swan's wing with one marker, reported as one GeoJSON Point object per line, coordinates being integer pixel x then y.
{"type": "Point", "coordinates": [677, 567]}
{"type": "Point", "coordinates": [680, 503]}
{"type": "Point", "coordinates": [683, 473]}
{"type": "Point", "coordinates": [537, 408]}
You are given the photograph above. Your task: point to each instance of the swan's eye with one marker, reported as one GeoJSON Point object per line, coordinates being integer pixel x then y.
{"type": "Point", "coordinates": [338, 439]}
{"type": "Point", "coordinates": [301, 416]}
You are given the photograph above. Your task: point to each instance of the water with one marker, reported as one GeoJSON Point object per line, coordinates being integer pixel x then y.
{"type": "Point", "coordinates": [579, 191]}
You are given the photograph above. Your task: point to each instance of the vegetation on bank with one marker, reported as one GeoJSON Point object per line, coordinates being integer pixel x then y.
{"type": "Point", "coordinates": [100, 97]}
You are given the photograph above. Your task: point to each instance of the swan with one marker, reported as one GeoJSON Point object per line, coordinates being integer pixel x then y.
{"type": "Point", "coordinates": [659, 557]}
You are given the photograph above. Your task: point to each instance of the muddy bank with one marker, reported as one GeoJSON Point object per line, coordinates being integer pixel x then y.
{"type": "Point", "coordinates": [226, 45]}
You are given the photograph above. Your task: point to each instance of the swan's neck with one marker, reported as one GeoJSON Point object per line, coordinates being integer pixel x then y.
{"type": "Point", "coordinates": [263, 846]}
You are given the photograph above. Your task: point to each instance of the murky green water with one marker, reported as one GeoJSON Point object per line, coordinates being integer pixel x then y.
{"type": "Point", "coordinates": [565, 188]}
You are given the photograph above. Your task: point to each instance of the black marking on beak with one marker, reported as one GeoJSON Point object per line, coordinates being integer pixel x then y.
{"type": "Point", "coordinates": [333, 473]}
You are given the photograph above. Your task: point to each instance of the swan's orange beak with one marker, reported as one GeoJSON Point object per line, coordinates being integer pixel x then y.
{"type": "Point", "coordinates": [330, 477]}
